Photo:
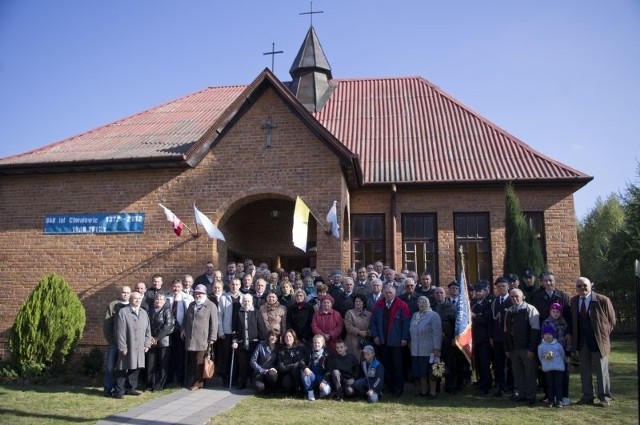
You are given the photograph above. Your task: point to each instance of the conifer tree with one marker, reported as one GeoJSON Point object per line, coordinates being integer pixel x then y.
{"type": "Point", "coordinates": [48, 326]}
{"type": "Point", "coordinates": [522, 250]}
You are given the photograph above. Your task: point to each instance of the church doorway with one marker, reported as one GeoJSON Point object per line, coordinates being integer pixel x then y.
{"type": "Point", "coordinates": [261, 230]}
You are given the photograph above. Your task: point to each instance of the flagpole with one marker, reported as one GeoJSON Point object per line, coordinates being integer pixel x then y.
{"type": "Point", "coordinates": [195, 235]}
{"type": "Point", "coordinates": [319, 222]}
{"type": "Point", "coordinates": [637, 282]}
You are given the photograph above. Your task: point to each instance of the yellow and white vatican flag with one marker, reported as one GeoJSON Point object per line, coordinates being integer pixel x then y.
{"type": "Point", "coordinates": [300, 224]}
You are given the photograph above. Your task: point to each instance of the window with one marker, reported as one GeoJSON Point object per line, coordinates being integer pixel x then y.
{"type": "Point", "coordinates": [535, 220]}
{"type": "Point", "coordinates": [367, 239]}
{"type": "Point", "coordinates": [419, 251]}
{"type": "Point", "coordinates": [472, 233]}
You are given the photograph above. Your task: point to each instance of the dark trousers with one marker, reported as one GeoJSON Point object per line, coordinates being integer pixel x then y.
{"type": "Point", "coordinates": [177, 359]}
{"type": "Point", "coordinates": [157, 365]}
{"type": "Point", "coordinates": [391, 358]}
{"type": "Point", "coordinates": [195, 367]}
{"type": "Point", "coordinates": [342, 385]}
{"type": "Point", "coordinates": [500, 366]}
{"type": "Point", "coordinates": [126, 380]}
{"type": "Point", "coordinates": [554, 380]}
{"type": "Point", "coordinates": [110, 369]}
{"type": "Point", "coordinates": [290, 379]}
{"type": "Point", "coordinates": [265, 383]}
{"type": "Point", "coordinates": [456, 363]}
{"type": "Point", "coordinates": [243, 358]}
{"type": "Point", "coordinates": [482, 359]}
{"type": "Point", "coordinates": [222, 351]}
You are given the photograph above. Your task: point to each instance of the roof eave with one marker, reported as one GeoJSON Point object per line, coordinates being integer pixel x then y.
{"type": "Point", "coordinates": [94, 165]}
{"type": "Point", "coordinates": [574, 183]}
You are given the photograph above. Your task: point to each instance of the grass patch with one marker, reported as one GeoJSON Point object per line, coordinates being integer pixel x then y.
{"type": "Point", "coordinates": [54, 404]}
{"type": "Point", "coordinates": [463, 408]}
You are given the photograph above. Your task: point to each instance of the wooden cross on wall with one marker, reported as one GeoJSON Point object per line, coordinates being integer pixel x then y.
{"type": "Point", "coordinates": [268, 125]}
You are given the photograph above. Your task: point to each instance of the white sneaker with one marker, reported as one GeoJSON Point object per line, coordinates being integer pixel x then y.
{"type": "Point", "coordinates": [565, 401]}
{"type": "Point", "coordinates": [311, 396]}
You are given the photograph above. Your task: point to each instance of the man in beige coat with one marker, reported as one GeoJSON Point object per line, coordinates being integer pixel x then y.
{"type": "Point", "coordinates": [199, 331]}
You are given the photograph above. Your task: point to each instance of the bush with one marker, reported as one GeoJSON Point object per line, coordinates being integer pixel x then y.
{"type": "Point", "coordinates": [48, 327]}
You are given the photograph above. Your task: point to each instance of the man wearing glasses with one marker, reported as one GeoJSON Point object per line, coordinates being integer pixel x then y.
{"type": "Point", "coordinates": [593, 320]}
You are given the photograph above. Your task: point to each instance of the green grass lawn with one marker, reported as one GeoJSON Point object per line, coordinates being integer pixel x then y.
{"type": "Point", "coordinates": [41, 404]}
{"type": "Point", "coordinates": [463, 408]}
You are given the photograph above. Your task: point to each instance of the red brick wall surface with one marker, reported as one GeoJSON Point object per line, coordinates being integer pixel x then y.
{"type": "Point", "coordinates": [556, 203]}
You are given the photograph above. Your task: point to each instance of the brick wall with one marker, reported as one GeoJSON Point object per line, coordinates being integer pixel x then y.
{"type": "Point", "coordinates": [556, 202]}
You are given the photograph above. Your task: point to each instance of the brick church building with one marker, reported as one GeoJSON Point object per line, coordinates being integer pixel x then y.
{"type": "Point", "coordinates": [414, 172]}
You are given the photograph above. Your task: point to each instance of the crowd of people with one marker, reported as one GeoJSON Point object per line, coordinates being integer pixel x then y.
{"type": "Point", "coordinates": [362, 334]}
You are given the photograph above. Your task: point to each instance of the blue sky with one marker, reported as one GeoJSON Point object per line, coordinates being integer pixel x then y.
{"type": "Point", "coordinates": [563, 76]}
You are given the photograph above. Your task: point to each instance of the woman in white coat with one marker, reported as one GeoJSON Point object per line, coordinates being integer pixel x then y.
{"type": "Point", "coordinates": [426, 340]}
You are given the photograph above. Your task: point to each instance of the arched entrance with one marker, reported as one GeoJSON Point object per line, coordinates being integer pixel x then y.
{"type": "Point", "coordinates": [261, 230]}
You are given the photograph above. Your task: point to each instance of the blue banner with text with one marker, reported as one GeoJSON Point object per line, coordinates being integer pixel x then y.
{"type": "Point", "coordinates": [94, 223]}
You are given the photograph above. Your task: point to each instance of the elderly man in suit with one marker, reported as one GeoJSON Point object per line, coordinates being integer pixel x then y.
{"type": "Point", "coordinates": [133, 336]}
{"type": "Point", "coordinates": [593, 320]}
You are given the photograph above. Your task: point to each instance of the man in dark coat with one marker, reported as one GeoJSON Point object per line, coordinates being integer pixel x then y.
{"type": "Point", "coordinates": [389, 329]}
{"type": "Point", "coordinates": [480, 328]}
{"type": "Point", "coordinates": [501, 365]}
{"type": "Point", "coordinates": [447, 314]}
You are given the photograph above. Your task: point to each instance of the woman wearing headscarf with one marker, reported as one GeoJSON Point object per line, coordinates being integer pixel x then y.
{"type": "Point", "coordinates": [426, 339]}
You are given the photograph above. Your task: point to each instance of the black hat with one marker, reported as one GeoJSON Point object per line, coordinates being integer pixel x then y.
{"type": "Point", "coordinates": [453, 283]}
{"type": "Point", "coordinates": [527, 273]}
{"type": "Point", "coordinates": [501, 279]}
{"type": "Point", "coordinates": [512, 277]}
{"type": "Point", "coordinates": [483, 284]}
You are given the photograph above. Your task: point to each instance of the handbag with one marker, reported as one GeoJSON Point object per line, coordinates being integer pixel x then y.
{"type": "Point", "coordinates": [209, 365]}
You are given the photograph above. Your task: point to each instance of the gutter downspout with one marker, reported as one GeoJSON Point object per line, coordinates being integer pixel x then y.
{"type": "Point", "coordinates": [394, 226]}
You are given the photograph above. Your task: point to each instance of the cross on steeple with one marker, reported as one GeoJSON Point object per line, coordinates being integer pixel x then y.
{"type": "Point", "coordinates": [273, 54]}
{"type": "Point", "coordinates": [268, 125]}
{"type": "Point", "coordinates": [311, 12]}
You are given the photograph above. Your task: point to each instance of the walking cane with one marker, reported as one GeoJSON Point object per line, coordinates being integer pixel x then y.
{"type": "Point", "coordinates": [233, 357]}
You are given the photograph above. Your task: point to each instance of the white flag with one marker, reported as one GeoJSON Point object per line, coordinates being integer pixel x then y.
{"type": "Point", "coordinates": [175, 221]}
{"type": "Point", "coordinates": [300, 224]}
{"type": "Point", "coordinates": [209, 227]}
{"type": "Point", "coordinates": [332, 219]}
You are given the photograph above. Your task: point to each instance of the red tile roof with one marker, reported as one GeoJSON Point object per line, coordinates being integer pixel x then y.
{"type": "Point", "coordinates": [407, 130]}
{"type": "Point", "coordinates": [403, 130]}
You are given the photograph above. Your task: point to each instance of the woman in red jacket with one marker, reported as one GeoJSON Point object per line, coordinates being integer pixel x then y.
{"type": "Point", "coordinates": [327, 322]}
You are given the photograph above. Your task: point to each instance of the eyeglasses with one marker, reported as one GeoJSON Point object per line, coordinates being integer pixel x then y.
{"type": "Point", "coordinates": [580, 285]}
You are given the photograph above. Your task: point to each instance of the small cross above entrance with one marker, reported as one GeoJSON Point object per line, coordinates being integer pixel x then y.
{"type": "Point", "coordinates": [268, 125]}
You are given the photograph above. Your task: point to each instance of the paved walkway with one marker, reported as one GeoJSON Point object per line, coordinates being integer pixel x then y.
{"type": "Point", "coordinates": [180, 407]}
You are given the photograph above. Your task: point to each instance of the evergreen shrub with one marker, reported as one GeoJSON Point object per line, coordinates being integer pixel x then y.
{"type": "Point", "coordinates": [47, 328]}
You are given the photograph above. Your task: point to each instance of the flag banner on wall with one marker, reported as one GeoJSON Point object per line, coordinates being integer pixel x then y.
{"type": "Point", "coordinates": [209, 227]}
{"type": "Point", "coordinates": [332, 219]}
{"type": "Point", "coordinates": [300, 224]}
{"type": "Point", "coordinates": [463, 319]}
{"type": "Point", "coordinates": [175, 221]}
{"type": "Point", "coordinates": [89, 223]}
